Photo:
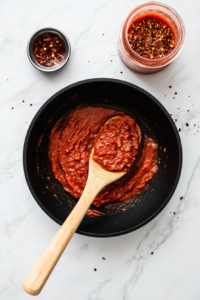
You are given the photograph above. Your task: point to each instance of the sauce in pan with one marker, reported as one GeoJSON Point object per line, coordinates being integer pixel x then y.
{"type": "Point", "coordinates": [71, 142]}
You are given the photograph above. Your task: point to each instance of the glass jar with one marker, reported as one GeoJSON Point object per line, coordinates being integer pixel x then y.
{"type": "Point", "coordinates": [134, 61]}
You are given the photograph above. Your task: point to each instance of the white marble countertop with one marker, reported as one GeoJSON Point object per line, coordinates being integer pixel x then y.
{"type": "Point", "coordinates": [129, 271]}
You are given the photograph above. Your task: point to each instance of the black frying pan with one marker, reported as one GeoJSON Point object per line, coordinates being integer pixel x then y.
{"type": "Point", "coordinates": [150, 115]}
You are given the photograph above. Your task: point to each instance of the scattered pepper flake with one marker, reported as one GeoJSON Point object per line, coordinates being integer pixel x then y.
{"type": "Point", "coordinates": [31, 104]}
{"type": "Point", "coordinates": [175, 93]}
{"type": "Point", "coordinates": [170, 86]}
{"type": "Point", "coordinates": [174, 213]}
{"type": "Point", "coordinates": [111, 60]}
{"type": "Point", "coordinates": [179, 129]}
{"type": "Point", "coordinates": [187, 110]}
{"type": "Point", "coordinates": [173, 97]}
{"type": "Point", "coordinates": [103, 258]}
{"type": "Point", "coordinates": [175, 120]}
{"type": "Point", "coordinates": [187, 124]}
{"type": "Point", "coordinates": [151, 253]}
{"type": "Point", "coordinates": [164, 149]}
{"type": "Point", "coordinates": [121, 72]}
{"type": "Point", "coordinates": [95, 269]}
{"type": "Point", "coordinates": [181, 198]}
{"type": "Point", "coordinates": [23, 101]}
{"type": "Point", "coordinates": [12, 107]}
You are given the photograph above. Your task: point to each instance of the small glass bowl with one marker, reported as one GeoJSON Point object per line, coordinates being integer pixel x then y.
{"type": "Point", "coordinates": [32, 58]}
{"type": "Point", "coordinates": [134, 61]}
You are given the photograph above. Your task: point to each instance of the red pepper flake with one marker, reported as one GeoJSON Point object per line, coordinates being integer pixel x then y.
{"type": "Point", "coordinates": [175, 120]}
{"type": "Point", "coordinates": [170, 114]}
{"type": "Point", "coordinates": [194, 124]}
{"type": "Point", "coordinates": [23, 101]}
{"type": "Point", "coordinates": [121, 72]}
{"type": "Point", "coordinates": [178, 108]}
{"type": "Point", "coordinates": [187, 110]}
{"type": "Point", "coordinates": [95, 269]}
{"type": "Point", "coordinates": [103, 258]}
{"type": "Point", "coordinates": [49, 49]}
{"type": "Point", "coordinates": [187, 124]}
{"type": "Point", "coordinates": [31, 104]}
{"type": "Point", "coordinates": [179, 129]}
{"type": "Point", "coordinates": [164, 150]}
{"type": "Point", "coordinates": [7, 79]}
{"type": "Point", "coordinates": [111, 60]}
{"type": "Point", "coordinates": [151, 37]}
{"type": "Point", "coordinates": [12, 107]}
{"type": "Point", "coordinates": [151, 253]}
{"type": "Point", "coordinates": [103, 34]}
{"type": "Point", "coordinates": [181, 198]}
{"type": "Point", "coordinates": [88, 61]}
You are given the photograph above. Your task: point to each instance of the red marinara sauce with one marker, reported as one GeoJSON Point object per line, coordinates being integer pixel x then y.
{"type": "Point", "coordinates": [117, 143]}
{"type": "Point", "coordinates": [49, 49]}
{"type": "Point", "coordinates": [71, 142]}
{"type": "Point", "coordinates": [151, 36]}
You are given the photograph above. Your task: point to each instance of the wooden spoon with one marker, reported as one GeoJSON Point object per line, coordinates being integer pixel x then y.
{"type": "Point", "coordinates": [98, 178]}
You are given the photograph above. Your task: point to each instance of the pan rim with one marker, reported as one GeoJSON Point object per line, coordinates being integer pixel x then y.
{"type": "Point", "coordinates": [180, 152]}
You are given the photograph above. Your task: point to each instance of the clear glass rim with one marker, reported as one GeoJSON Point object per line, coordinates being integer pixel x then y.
{"type": "Point", "coordinates": [145, 61]}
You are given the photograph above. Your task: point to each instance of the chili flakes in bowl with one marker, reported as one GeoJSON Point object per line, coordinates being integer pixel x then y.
{"type": "Point", "coordinates": [49, 49]}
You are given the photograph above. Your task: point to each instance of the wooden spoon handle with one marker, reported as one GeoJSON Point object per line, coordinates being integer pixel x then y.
{"type": "Point", "coordinates": [40, 272]}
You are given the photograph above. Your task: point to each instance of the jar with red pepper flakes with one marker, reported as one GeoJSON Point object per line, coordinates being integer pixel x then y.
{"type": "Point", "coordinates": [151, 37]}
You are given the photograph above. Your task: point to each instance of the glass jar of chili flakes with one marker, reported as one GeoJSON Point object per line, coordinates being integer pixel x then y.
{"type": "Point", "coordinates": [151, 37]}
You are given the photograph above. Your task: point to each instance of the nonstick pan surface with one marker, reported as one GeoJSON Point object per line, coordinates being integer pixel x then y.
{"type": "Point", "coordinates": [156, 122]}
